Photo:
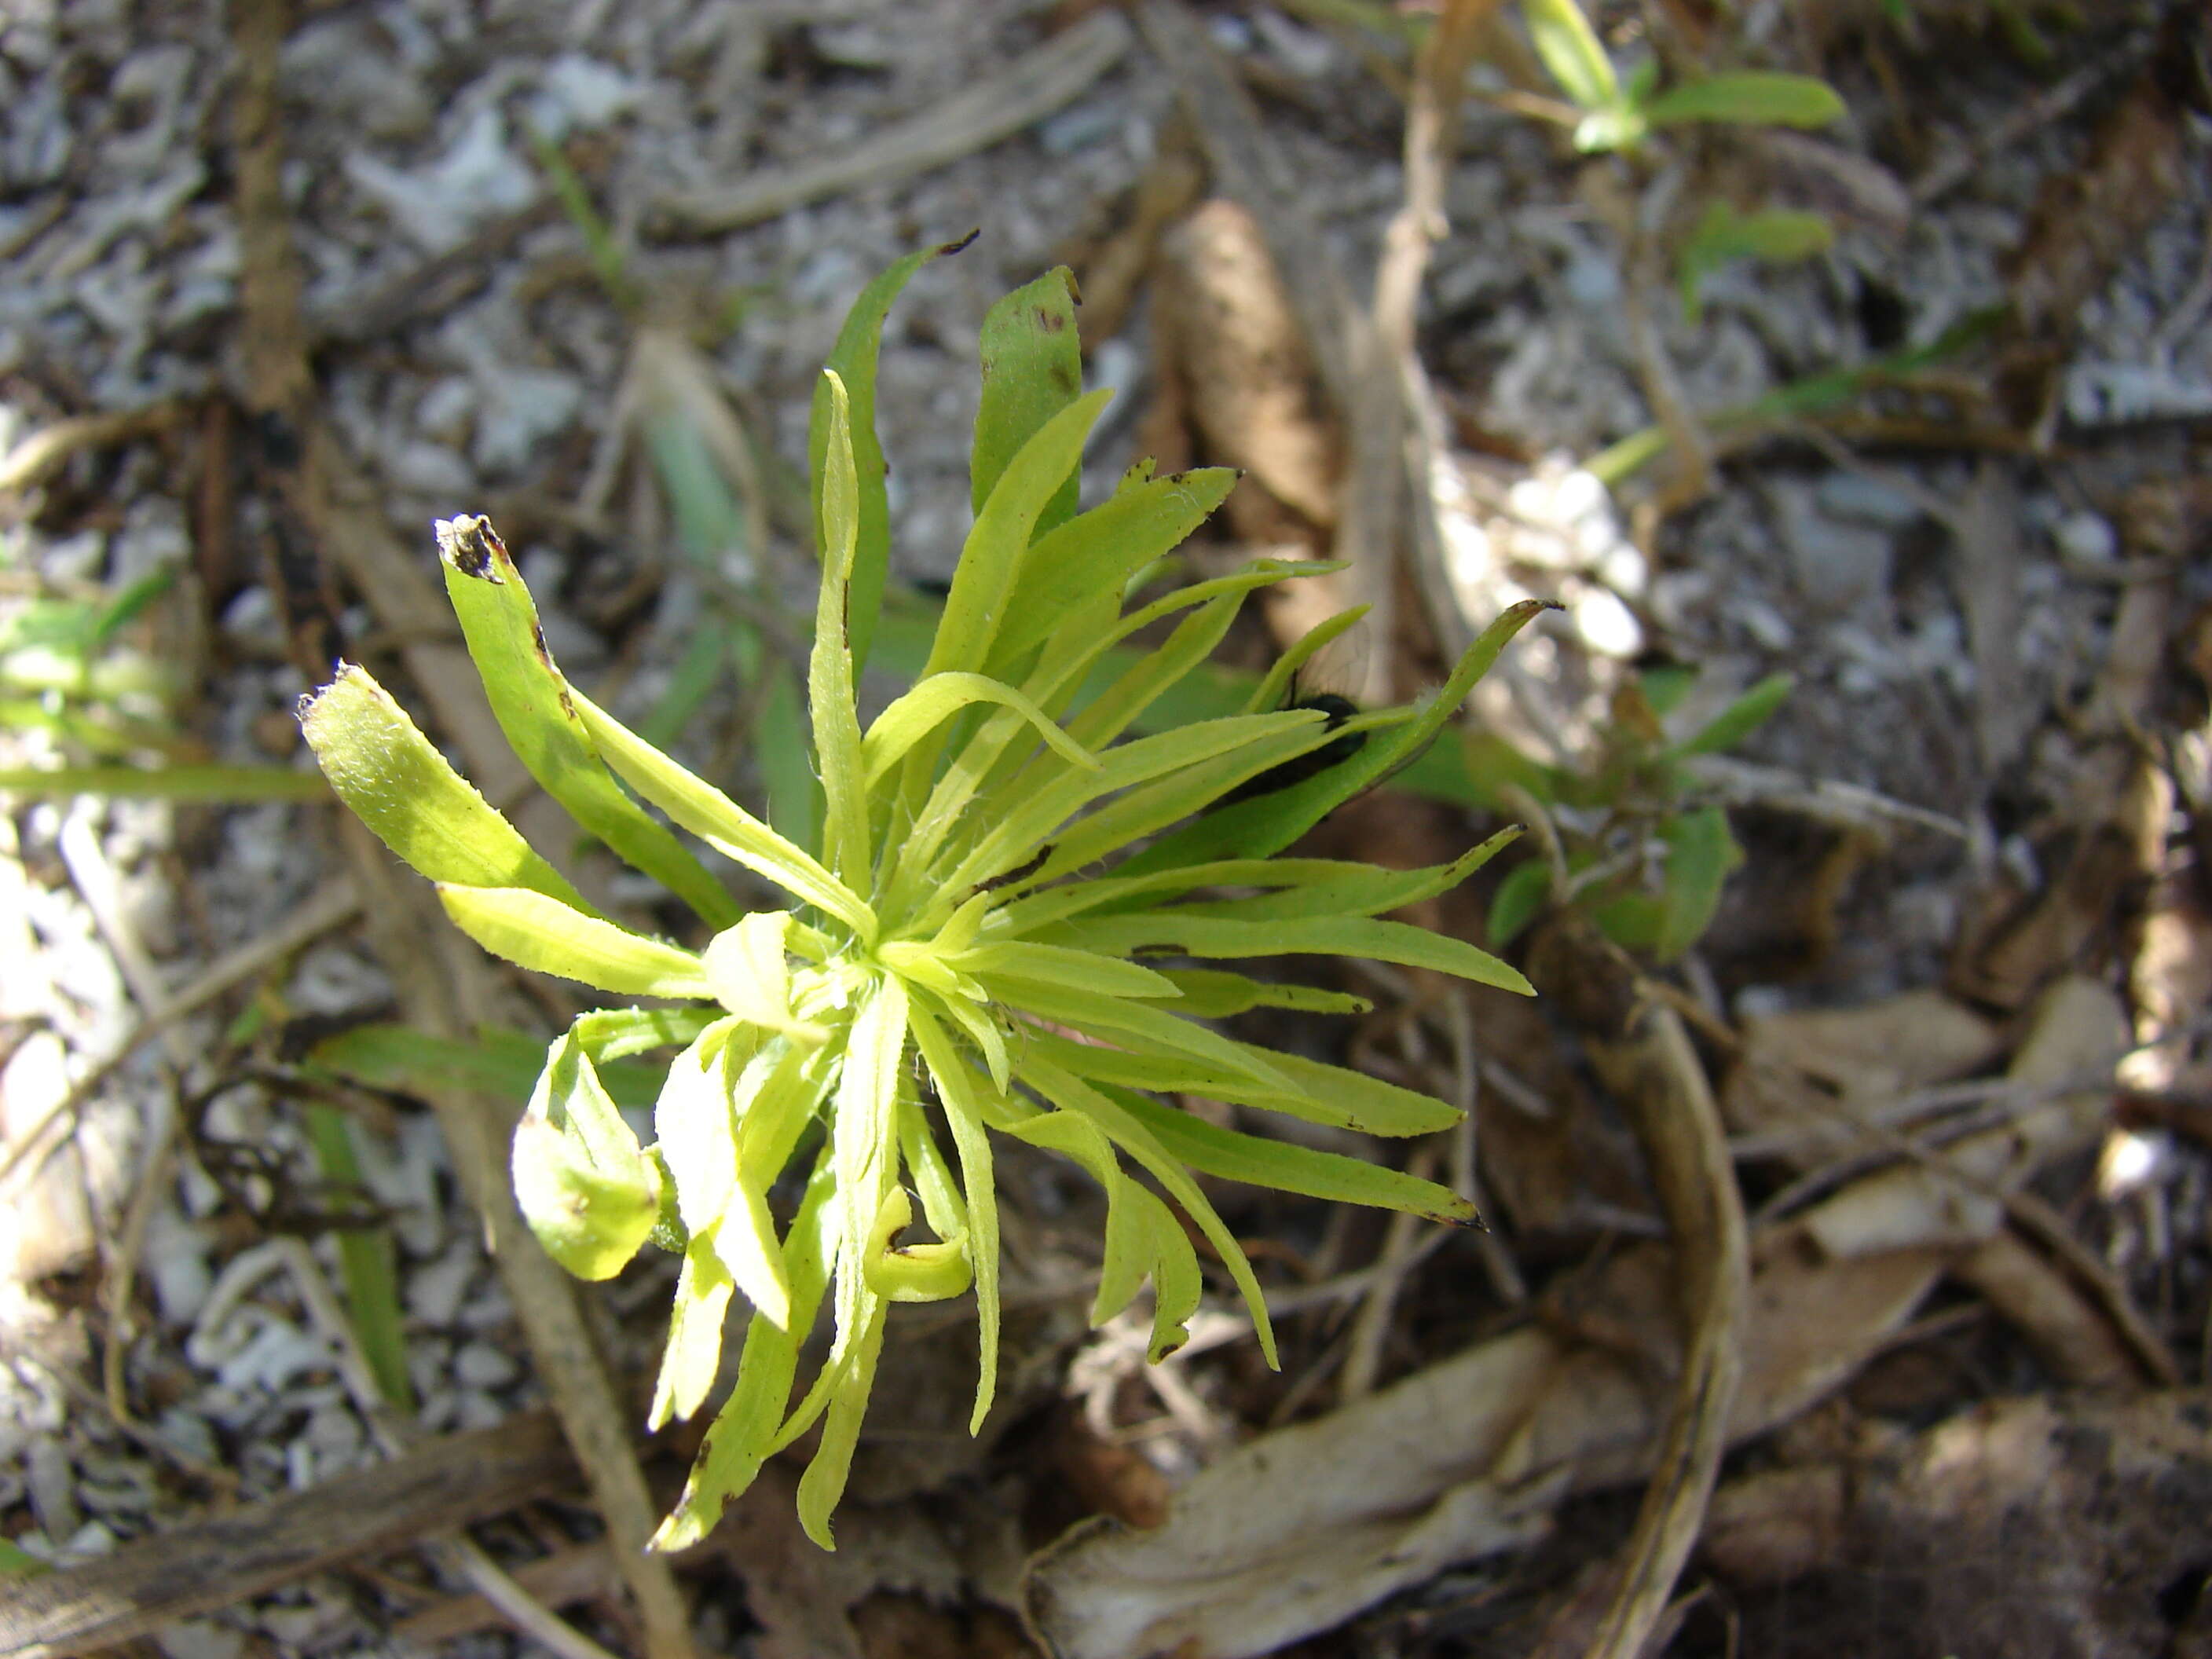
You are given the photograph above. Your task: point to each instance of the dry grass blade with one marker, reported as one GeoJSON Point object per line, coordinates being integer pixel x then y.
{"type": "Point", "coordinates": [1048, 78]}
{"type": "Point", "coordinates": [36, 458]}
{"type": "Point", "coordinates": [1641, 1049]}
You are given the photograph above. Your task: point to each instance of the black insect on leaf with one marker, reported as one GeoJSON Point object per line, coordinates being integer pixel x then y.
{"type": "Point", "coordinates": [1336, 710]}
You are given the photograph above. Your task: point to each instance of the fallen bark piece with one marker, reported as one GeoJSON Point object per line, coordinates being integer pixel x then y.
{"type": "Point", "coordinates": [211, 1564]}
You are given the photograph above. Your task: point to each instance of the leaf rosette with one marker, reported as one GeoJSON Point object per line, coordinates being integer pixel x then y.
{"type": "Point", "coordinates": [994, 940]}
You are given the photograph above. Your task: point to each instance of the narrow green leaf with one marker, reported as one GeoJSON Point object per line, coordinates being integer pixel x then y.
{"type": "Point", "coordinates": [1114, 709]}
{"type": "Point", "coordinates": [1773, 235]}
{"type": "Point", "coordinates": [530, 698]}
{"type": "Point", "coordinates": [532, 931]}
{"type": "Point", "coordinates": [964, 1118]}
{"type": "Point", "coordinates": [744, 1431]}
{"type": "Point", "coordinates": [1232, 1156]}
{"type": "Point", "coordinates": [1092, 557]}
{"type": "Point", "coordinates": [368, 1264]}
{"type": "Point", "coordinates": [1319, 1093]}
{"type": "Point", "coordinates": [694, 1351]}
{"type": "Point", "coordinates": [829, 667]}
{"type": "Point", "coordinates": [403, 789]}
{"type": "Point", "coordinates": [1253, 828]}
{"type": "Point", "coordinates": [864, 1133]}
{"type": "Point", "coordinates": [719, 822]}
{"type": "Point", "coordinates": [1376, 940]}
{"type": "Point", "coordinates": [1070, 1093]}
{"type": "Point", "coordinates": [1700, 853]}
{"type": "Point", "coordinates": [181, 782]}
{"type": "Point", "coordinates": [1740, 719]}
{"type": "Point", "coordinates": [1274, 687]}
{"type": "Point", "coordinates": [1572, 52]}
{"type": "Point", "coordinates": [823, 1483]}
{"type": "Point", "coordinates": [853, 359]}
{"type": "Point", "coordinates": [1032, 369]}
{"type": "Point", "coordinates": [1146, 1029]}
{"type": "Point", "coordinates": [991, 557]}
{"type": "Point", "coordinates": [1519, 900]}
{"type": "Point", "coordinates": [1033, 822]}
{"type": "Point", "coordinates": [1026, 963]}
{"type": "Point", "coordinates": [937, 699]}
{"type": "Point", "coordinates": [1359, 889]}
{"type": "Point", "coordinates": [1770, 100]}
{"type": "Point", "coordinates": [1213, 994]}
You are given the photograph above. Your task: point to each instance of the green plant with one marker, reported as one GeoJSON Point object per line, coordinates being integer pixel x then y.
{"type": "Point", "coordinates": [1622, 115]}
{"type": "Point", "coordinates": [1650, 861]}
{"type": "Point", "coordinates": [995, 856]}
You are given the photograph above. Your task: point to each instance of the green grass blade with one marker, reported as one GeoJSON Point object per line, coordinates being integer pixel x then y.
{"type": "Point", "coordinates": [185, 782]}
{"type": "Point", "coordinates": [367, 1266]}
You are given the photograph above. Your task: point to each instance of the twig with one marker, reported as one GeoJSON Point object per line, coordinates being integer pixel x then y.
{"type": "Point", "coordinates": [1043, 81]}
{"type": "Point", "coordinates": [2033, 1217]}
{"type": "Point", "coordinates": [2052, 105]}
{"type": "Point", "coordinates": [1371, 1325]}
{"type": "Point", "coordinates": [36, 458]}
{"type": "Point", "coordinates": [210, 1563]}
{"type": "Point", "coordinates": [1642, 1050]}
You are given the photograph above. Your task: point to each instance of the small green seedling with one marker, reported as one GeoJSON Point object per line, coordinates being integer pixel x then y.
{"type": "Point", "coordinates": [1648, 866]}
{"type": "Point", "coordinates": [986, 940]}
{"type": "Point", "coordinates": [1622, 115]}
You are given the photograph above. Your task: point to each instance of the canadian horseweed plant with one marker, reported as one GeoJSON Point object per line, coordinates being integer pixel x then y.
{"type": "Point", "coordinates": [960, 961]}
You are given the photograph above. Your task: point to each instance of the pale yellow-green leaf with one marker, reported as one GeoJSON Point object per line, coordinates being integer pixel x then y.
{"type": "Point", "coordinates": [403, 790]}
{"type": "Point", "coordinates": [719, 822]}
{"type": "Point", "coordinates": [830, 665]}
{"type": "Point", "coordinates": [914, 1273]}
{"type": "Point", "coordinates": [746, 966]}
{"type": "Point", "coordinates": [964, 1118]}
{"type": "Point", "coordinates": [529, 696]}
{"type": "Point", "coordinates": [533, 931]}
{"type": "Point", "coordinates": [695, 1336]}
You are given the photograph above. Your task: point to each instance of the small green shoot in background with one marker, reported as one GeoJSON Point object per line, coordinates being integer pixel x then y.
{"type": "Point", "coordinates": [1636, 849]}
